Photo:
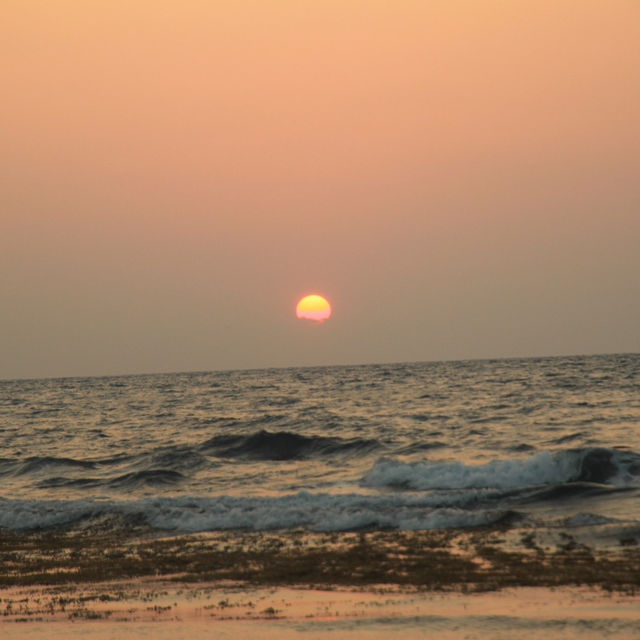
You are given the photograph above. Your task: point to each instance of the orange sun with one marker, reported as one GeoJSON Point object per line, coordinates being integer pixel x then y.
{"type": "Point", "coordinates": [314, 307]}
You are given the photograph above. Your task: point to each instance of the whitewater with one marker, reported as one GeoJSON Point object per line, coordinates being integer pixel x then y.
{"type": "Point", "coordinates": [544, 442]}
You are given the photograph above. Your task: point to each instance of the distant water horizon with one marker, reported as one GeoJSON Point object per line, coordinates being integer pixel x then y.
{"type": "Point", "coordinates": [546, 441]}
{"type": "Point", "coordinates": [312, 366]}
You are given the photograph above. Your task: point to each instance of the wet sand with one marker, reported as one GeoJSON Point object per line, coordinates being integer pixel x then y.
{"type": "Point", "coordinates": [104, 582]}
{"type": "Point", "coordinates": [160, 609]}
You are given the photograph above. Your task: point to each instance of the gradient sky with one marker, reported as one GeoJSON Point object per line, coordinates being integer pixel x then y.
{"type": "Point", "coordinates": [459, 177]}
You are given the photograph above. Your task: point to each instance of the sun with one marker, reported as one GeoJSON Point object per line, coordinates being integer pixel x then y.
{"type": "Point", "coordinates": [313, 307]}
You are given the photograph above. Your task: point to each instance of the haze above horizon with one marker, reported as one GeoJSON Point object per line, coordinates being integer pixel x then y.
{"type": "Point", "coordinates": [458, 177]}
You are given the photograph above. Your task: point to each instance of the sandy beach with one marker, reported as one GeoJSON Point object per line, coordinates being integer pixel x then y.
{"type": "Point", "coordinates": [456, 584]}
{"type": "Point", "coordinates": [161, 609]}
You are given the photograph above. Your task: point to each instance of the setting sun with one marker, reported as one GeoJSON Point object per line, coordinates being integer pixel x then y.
{"type": "Point", "coordinates": [313, 307]}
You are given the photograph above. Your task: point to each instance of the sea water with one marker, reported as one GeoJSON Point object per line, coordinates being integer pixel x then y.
{"type": "Point", "coordinates": [544, 441]}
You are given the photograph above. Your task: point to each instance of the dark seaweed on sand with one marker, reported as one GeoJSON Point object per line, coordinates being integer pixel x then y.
{"type": "Point", "coordinates": [439, 560]}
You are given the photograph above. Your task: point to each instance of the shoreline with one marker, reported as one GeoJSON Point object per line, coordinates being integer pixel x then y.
{"type": "Point", "coordinates": [103, 582]}
{"type": "Point", "coordinates": [472, 560]}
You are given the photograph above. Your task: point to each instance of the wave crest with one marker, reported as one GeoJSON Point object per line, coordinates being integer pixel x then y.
{"type": "Point", "coordinates": [283, 445]}
{"type": "Point", "coordinates": [602, 466]}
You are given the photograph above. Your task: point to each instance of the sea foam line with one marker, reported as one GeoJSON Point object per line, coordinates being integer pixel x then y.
{"type": "Point", "coordinates": [317, 512]}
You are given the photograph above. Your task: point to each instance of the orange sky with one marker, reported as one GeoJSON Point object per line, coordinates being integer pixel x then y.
{"type": "Point", "coordinates": [459, 177]}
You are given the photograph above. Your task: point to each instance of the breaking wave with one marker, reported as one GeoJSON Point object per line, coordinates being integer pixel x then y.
{"type": "Point", "coordinates": [598, 465]}
{"type": "Point", "coordinates": [316, 512]}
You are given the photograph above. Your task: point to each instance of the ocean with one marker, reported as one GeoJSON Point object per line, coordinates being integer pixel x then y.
{"type": "Point", "coordinates": [546, 442]}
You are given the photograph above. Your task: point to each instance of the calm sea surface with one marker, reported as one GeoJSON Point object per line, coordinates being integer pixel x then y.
{"type": "Point", "coordinates": [413, 446]}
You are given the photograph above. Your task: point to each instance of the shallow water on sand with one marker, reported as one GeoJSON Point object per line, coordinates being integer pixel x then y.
{"type": "Point", "coordinates": [413, 446]}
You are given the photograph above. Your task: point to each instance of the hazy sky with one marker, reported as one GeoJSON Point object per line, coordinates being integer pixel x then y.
{"type": "Point", "coordinates": [461, 178]}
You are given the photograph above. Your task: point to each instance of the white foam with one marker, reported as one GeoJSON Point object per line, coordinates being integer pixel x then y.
{"type": "Point", "coordinates": [539, 469]}
{"type": "Point", "coordinates": [543, 468]}
{"type": "Point", "coordinates": [317, 512]}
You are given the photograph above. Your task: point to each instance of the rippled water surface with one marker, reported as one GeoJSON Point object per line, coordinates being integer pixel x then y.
{"type": "Point", "coordinates": [415, 445]}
